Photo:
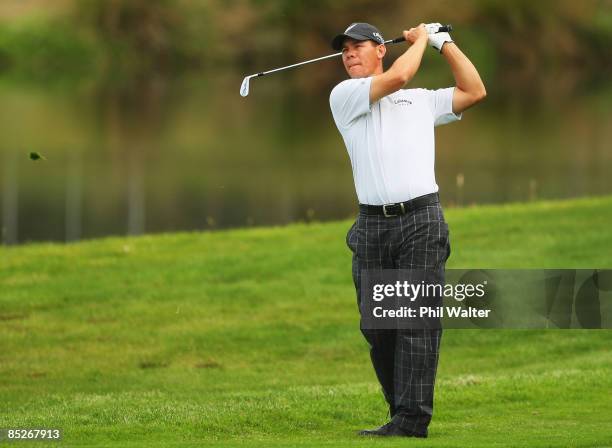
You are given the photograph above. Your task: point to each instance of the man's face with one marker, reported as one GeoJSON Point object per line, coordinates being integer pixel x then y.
{"type": "Point", "coordinates": [362, 58]}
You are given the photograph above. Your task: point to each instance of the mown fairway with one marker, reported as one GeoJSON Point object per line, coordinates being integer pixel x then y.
{"type": "Point", "coordinates": [251, 338]}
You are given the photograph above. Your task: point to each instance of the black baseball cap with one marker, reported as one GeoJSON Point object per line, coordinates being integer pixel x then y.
{"type": "Point", "coordinates": [358, 31]}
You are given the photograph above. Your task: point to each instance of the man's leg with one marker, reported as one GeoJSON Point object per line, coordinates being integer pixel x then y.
{"type": "Point", "coordinates": [382, 345]}
{"type": "Point", "coordinates": [415, 373]}
{"type": "Point", "coordinates": [365, 239]}
{"type": "Point", "coordinates": [424, 245]}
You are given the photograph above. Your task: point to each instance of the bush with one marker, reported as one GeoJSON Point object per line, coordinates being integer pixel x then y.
{"type": "Point", "coordinates": [38, 49]}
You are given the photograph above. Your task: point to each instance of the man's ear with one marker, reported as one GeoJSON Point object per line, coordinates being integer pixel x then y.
{"type": "Point", "coordinates": [381, 50]}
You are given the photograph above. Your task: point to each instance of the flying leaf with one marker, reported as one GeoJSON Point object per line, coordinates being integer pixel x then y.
{"type": "Point", "coordinates": [37, 156]}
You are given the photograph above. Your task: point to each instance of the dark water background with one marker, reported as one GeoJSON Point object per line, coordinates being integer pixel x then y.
{"type": "Point", "coordinates": [188, 153]}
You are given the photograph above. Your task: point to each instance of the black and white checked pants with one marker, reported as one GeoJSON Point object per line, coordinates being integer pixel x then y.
{"type": "Point", "coordinates": [405, 361]}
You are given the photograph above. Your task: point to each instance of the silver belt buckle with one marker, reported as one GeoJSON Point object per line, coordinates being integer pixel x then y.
{"type": "Point", "coordinates": [389, 215]}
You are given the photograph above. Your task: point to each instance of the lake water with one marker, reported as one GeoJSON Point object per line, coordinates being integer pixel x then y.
{"type": "Point", "coordinates": [159, 155]}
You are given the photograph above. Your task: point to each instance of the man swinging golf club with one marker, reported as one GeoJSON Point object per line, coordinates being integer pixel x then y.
{"type": "Point", "coordinates": [389, 135]}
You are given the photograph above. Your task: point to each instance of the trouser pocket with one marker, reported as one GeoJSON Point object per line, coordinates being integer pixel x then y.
{"type": "Point", "coordinates": [349, 235]}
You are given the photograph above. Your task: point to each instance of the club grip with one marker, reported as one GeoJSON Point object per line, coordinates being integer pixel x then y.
{"type": "Point", "coordinates": [442, 29]}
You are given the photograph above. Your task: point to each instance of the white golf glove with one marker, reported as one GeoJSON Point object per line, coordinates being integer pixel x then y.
{"type": "Point", "coordinates": [436, 40]}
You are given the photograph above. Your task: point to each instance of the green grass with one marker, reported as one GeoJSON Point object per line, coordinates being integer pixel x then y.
{"type": "Point", "coordinates": [251, 338]}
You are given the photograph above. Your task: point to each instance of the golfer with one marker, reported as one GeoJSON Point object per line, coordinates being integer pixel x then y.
{"type": "Point", "coordinates": [389, 135]}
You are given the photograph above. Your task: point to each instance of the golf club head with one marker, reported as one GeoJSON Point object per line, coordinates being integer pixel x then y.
{"type": "Point", "coordinates": [244, 88]}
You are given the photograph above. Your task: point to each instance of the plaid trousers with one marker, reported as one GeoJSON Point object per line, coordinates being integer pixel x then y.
{"type": "Point", "coordinates": [405, 361]}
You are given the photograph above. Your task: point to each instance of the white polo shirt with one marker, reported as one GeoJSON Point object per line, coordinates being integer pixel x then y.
{"type": "Point", "coordinates": [391, 142]}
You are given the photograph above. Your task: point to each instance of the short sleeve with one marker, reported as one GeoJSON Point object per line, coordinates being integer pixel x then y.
{"type": "Point", "coordinates": [350, 99]}
{"type": "Point", "coordinates": [441, 103]}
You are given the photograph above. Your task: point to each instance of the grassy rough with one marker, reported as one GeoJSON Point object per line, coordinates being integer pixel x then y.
{"type": "Point", "coordinates": [250, 338]}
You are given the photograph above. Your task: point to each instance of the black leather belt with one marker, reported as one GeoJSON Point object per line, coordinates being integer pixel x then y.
{"type": "Point", "coordinates": [400, 208]}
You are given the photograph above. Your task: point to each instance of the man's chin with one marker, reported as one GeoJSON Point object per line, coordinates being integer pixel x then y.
{"type": "Point", "coordinates": [357, 74]}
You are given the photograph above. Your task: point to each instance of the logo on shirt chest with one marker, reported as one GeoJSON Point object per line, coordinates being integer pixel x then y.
{"type": "Point", "coordinates": [402, 102]}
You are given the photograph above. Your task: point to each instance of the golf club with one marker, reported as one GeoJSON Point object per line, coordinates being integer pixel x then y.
{"type": "Point", "coordinates": [244, 88]}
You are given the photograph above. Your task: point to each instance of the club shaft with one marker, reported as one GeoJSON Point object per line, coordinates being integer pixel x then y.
{"type": "Point", "coordinates": [298, 64]}
{"type": "Point", "coordinates": [444, 28]}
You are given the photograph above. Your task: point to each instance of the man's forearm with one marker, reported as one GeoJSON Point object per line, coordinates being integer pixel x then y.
{"type": "Point", "coordinates": [404, 68]}
{"type": "Point", "coordinates": [466, 76]}
{"type": "Point", "coordinates": [408, 64]}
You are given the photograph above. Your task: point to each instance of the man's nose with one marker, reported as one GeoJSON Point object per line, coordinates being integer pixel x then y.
{"type": "Point", "coordinates": [349, 53]}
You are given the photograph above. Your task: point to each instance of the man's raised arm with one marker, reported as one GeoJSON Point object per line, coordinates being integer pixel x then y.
{"type": "Point", "coordinates": [404, 68]}
{"type": "Point", "coordinates": [469, 88]}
